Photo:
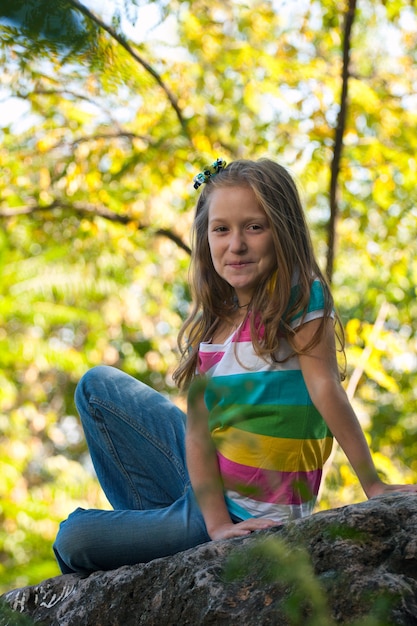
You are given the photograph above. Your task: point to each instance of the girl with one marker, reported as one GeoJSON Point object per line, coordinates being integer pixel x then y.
{"type": "Point", "coordinates": [264, 400]}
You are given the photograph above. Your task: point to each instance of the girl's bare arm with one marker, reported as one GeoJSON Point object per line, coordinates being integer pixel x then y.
{"type": "Point", "coordinates": [205, 476]}
{"type": "Point", "coordinates": [321, 375]}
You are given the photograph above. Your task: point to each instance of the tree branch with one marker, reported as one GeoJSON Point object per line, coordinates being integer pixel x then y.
{"type": "Point", "coordinates": [122, 41]}
{"type": "Point", "coordinates": [122, 134]}
{"type": "Point", "coordinates": [60, 92]}
{"type": "Point", "coordinates": [338, 141]}
{"type": "Point", "coordinates": [99, 211]}
{"type": "Point", "coordinates": [366, 353]}
{"type": "Point", "coordinates": [106, 136]}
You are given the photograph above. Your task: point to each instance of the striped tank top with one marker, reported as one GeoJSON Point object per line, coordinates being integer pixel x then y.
{"type": "Point", "coordinates": [270, 440]}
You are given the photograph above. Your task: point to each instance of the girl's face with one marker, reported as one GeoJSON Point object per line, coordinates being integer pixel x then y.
{"type": "Point", "coordinates": [240, 240]}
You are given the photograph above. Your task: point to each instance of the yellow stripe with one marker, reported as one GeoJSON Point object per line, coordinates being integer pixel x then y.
{"type": "Point", "coordinates": [272, 453]}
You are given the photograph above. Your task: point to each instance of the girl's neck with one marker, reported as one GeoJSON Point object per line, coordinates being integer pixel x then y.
{"type": "Point", "coordinates": [227, 326]}
{"type": "Point", "coordinates": [242, 302]}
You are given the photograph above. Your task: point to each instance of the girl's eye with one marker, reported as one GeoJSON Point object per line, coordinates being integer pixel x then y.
{"type": "Point", "coordinates": [255, 227]}
{"type": "Point", "coordinates": [220, 229]}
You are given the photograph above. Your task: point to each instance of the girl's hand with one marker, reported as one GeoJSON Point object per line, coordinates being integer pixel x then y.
{"type": "Point", "coordinates": [380, 488]}
{"type": "Point", "coordinates": [227, 531]}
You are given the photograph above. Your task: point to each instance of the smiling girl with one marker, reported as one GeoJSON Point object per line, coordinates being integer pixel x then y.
{"type": "Point", "coordinates": [264, 393]}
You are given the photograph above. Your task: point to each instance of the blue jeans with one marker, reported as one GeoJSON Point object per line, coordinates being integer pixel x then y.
{"type": "Point", "coordinates": [136, 439]}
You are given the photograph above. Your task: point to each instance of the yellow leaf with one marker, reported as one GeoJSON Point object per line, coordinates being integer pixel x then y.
{"type": "Point", "coordinates": [352, 330]}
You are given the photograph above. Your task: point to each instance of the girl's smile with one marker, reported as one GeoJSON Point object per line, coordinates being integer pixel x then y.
{"type": "Point", "coordinates": [240, 239]}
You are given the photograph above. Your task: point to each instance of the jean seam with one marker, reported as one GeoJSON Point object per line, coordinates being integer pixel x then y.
{"type": "Point", "coordinates": [96, 402]}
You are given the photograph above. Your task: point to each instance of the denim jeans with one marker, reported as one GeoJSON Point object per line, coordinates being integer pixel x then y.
{"type": "Point", "coordinates": [136, 439]}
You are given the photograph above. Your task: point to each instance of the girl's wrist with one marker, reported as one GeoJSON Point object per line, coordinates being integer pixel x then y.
{"type": "Point", "coordinates": [374, 488]}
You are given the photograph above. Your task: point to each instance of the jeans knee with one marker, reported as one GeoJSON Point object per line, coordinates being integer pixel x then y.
{"type": "Point", "coordinates": [71, 546]}
{"type": "Point", "coordinates": [98, 382]}
{"type": "Point", "coordinates": [93, 379]}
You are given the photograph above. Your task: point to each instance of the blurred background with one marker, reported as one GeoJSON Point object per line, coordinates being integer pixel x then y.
{"type": "Point", "coordinates": [107, 111]}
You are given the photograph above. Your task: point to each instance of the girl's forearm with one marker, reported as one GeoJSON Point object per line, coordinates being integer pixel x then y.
{"type": "Point", "coordinates": [345, 426]}
{"type": "Point", "coordinates": [207, 484]}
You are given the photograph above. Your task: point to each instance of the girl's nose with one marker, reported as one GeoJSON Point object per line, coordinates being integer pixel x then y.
{"type": "Point", "coordinates": [237, 242]}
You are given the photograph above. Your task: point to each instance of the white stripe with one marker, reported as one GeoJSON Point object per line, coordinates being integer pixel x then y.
{"type": "Point", "coordinates": [278, 512]}
{"type": "Point", "coordinates": [247, 360]}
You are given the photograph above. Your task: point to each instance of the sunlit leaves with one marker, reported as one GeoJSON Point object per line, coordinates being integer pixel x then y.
{"type": "Point", "coordinates": [96, 163]}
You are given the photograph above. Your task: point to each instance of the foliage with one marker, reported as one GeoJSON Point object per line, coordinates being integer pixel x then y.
{"type": "Point", "coordinates": [109, 126]}
{"type": "Point", "coordinates": [304, 598]}
{"type": "Point", "coordinates": [11, 618]}
{"type": "Point", "coordinates": [274, 561]}
{"type": "Point", "coordinates": [57, 22]}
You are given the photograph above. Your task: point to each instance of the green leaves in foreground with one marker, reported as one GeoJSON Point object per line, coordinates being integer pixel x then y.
{"type": "Point", "coordinates": [303, 600]}
{"type": "Point", "coordinates": [271, 560]}
{"type": "Point", "coordinates": [11, 618]}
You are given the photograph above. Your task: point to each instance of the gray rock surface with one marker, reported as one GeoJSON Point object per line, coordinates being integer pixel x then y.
{"type": "Point", "coordinates": [364, 559]}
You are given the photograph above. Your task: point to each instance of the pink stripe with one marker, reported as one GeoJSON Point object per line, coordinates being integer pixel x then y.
{"type": "Point", "coordinates": [244, 333]}
{"type": "Point", "coordinates": [207, 360]}
{"type": "Point", "coordinates": [269, 485]}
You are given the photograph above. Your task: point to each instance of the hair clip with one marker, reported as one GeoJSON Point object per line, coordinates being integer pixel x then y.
{"type": "Point", "coordinates": [208, 172]}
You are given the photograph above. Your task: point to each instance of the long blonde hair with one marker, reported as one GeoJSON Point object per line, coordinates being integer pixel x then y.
{"type": "Point", "coordinates": [214, 299]}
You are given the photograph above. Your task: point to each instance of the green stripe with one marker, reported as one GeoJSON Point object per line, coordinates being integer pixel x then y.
{"type": "Point", "coordinates": [254, 388]}
{"type": "Point", "coordinates": [316, 302]}
{"type": "Point", "coordinates": [288, 422]}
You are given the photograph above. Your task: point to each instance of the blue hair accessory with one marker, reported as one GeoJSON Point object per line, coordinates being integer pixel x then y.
{"type": "Point", "coordinates": [208, 172]}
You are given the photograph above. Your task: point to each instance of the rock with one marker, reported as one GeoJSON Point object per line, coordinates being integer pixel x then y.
{"type": "Point", "coordinates": [364, 559]}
